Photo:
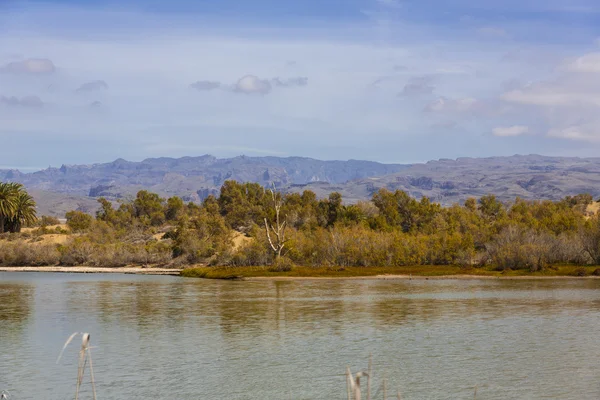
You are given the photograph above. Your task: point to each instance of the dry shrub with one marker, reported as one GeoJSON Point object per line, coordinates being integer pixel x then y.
{"type": "Point", "coordinates": [81, 251]}
{"type": "Point", "coordinates": [518, 248]}
{"type": "Point", "coordinates": [252, 253]}
{"type": "Point", "coordinates": [281, 264]}
{"type": "Point", "coordinates": [20, 253]}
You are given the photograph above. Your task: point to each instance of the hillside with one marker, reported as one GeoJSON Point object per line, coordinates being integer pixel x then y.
{"type": "Point", "coordinates": [193, 178]}
{"type": "Point", "coordinates": [451, 181]}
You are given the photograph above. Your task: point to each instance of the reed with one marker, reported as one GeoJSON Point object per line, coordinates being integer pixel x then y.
{"type": "Point", "coordinates": [85, 357]}
{"type": "Point", "coordinates": [353, 383]}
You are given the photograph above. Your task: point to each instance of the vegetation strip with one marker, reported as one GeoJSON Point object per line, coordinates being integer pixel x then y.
{"type": "Point", "coordinates": [417, 273]}
{"type": "Point", "coordinates": [251, 231]}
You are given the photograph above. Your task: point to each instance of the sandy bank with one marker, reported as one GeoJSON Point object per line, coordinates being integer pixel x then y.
{"type": "Point", "coordinates": [95, 270]}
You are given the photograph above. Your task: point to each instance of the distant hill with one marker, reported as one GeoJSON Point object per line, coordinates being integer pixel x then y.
{"type": "Point", "coordinates": [194, 178]}
{"type": "Point", "coordinates": [453, 181]}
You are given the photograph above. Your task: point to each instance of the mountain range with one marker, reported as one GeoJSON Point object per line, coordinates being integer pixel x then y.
{"type": "Point", "coordinates": [447, 181]}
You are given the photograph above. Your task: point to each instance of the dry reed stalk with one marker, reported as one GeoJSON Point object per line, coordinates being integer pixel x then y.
{"type": "Point", "coordinates": [384, 389]}
{"type": "Point", "coordinates": [369, 376]}
{"type": "Point", "coordinates": [475, 395]}
{"type": "Point", "coordinates": [85, 354]}
{"type": "Point", "coordinates": [348, 383]}
{"type": "Point", "coordinates": [355, 384]}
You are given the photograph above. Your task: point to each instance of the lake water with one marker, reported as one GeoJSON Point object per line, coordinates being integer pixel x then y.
{"type": "Point", "coordinates": [160, 337]}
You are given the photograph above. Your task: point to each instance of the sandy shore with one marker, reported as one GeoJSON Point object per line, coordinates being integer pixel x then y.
{"type": "Point", "coordinates": [95, 270]}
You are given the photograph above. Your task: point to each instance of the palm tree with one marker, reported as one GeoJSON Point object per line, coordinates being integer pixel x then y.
{"type": "Point", "coordinates": [24, 214]}
{"type": "Point", "coordinates": [8, 206]}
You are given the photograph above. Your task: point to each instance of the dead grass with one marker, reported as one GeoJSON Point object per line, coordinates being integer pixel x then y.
{"type": "Point", "coordinates": [52, 238]}
{"type": "Point", "coordinates": [49, 228]}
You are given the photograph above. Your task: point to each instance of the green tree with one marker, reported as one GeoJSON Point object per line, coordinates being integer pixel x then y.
{"type": "Point", "coordinates": [79, 221]}
{"type": "Point", "coordinates": [243, 204]}
{"type": "Point", "coordinates": [174, 208]}
{"type": "Point", "coordinates": [335, 208]}
{"type": "Point", "coordinates": [148, 207]}
{"type": "Point", "coordinates": [17, 207]}
{"type": "Point", "coordinates": [8, 202]}
{"type": "Point", "coordinates": [491, 208]}
{"type": "Point", "coordinates": [25, 213]}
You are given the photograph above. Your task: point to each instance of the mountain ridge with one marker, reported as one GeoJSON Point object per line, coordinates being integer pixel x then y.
{"type": "Point", "coordinates": [444, 180]}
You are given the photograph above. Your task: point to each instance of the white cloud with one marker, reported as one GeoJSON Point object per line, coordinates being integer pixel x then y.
{"type": "Point", "coordinates": [251, 84]}
{"type": "Point", "coordinates": [581, 133]}
{"type": "Point", "coordinates": [515, 130]}
{"type": "Point", "coordinates": [572, 89]}
{"type": "Point", "coordinates": [586, 63]}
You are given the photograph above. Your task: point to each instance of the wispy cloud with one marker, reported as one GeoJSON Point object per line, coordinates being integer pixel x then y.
{"type": "Point", "coordinates": [418, 86]}
{"type": "Point", "coordinates": [516, 130]}
{"type": "Point", "coordinates": [250, 84]}
{"type": "Point", "coordinates": [29, 66]}
{"type": "Point", "coordinates": [92, 86]}
{"type": "Point", "coordinates": [205, 85]}
{"type": "Point", "coordinates": [26, 101]}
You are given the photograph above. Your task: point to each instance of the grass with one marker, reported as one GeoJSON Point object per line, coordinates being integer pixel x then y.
{"type": "Point", "coordinates": [357, 272]}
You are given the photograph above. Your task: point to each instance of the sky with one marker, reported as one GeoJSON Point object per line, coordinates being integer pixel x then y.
{"type": "Point", "coordinates": [384, 80]}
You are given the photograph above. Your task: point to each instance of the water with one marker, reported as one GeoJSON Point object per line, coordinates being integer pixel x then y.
{"type": "Point", "coordinates": [174, 338]}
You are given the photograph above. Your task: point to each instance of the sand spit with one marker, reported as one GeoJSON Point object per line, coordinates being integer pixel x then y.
{"type": "Point", "coordinates": [96, 270]}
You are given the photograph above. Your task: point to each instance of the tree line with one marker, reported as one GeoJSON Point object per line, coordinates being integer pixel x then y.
{"type": "Point", "coordinates": [248, 224]}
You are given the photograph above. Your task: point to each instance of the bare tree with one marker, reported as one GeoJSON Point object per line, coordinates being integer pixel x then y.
{"type": "Point", "coordinates": [278, 240]}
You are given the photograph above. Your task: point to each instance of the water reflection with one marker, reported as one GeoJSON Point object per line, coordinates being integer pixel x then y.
{"type": "Point", "coordinates": [16, 303]}
{"type": "Point", "coordinates": [16, 307]}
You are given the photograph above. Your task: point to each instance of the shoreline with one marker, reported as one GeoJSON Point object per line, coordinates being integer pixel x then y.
{"type": "Point", "coordinates": [413, 277]}
{"type": "Point", "coordinates": [97, 270]}
{"type": "Point", "coordinates": [177, 272]}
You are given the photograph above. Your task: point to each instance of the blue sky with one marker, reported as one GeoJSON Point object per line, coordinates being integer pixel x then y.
{"type": "Point", "coordinates": [385, 80]}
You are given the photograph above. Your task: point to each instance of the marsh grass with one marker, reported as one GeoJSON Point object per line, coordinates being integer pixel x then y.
{"type": "Point", "coordinates": [357, 272]}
